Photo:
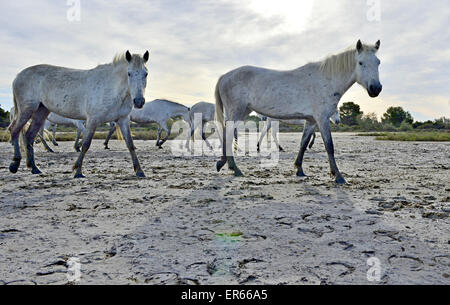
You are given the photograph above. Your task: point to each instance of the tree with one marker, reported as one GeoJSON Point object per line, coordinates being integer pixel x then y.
{"type": "Point", "coordinates": [349, 113]}
{"type": "Point", "coordinates": [396, 116]}
{"type": "Point", "coordinates": [4, 118]}
{"type": "Point", "coordinates": [369, 122]}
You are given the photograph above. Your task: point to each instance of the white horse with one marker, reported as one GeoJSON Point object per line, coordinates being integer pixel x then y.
{"type": "Point", "coordinates": [207, 111]}
{"type": "Point", "coordinates": [103, 94]}
{"type": "Point", "coordinates": [159, 112]}
{"type": "Point", "coordinates": [311, 92]}
{"type": "Point", "coordinates": [268, 126]}
{"type": "Point", "coordinates": [53, 120]}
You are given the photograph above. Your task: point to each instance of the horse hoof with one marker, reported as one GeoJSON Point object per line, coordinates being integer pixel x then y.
{"type": "Point", "coordinates": [281, 149]}
{"type": "Point", "coordinates": [140, 174]}
{"type": "Point", "coordinates": [301, 174]}
{"type": "Point", "coordinates": [220, 165]}
{"type": "Point", "coordinates": [238, 173]}
{"type": "Point", "coordinates": [36, 171]}
{"type": "Point", "coordinates": [79, 176]}
{"type": "Point", "coordinates": [340, 180]}
{"type": "Point", "coordinates": [107, 148]}
{"type": "Point", "coordinates": [13, 168]}
{"type": "Point", "coordinates": [56, 144]}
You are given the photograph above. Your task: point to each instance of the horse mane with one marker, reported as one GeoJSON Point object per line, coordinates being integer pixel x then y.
{"type": "Point", "coordinates": [343, 62]}
{"type": "Point", "coordinates": [119, 58]}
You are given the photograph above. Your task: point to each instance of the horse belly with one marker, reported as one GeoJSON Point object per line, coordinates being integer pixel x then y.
{"type": "Point", "coordinates": [66, 106]}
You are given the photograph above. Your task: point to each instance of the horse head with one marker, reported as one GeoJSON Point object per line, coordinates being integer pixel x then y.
{"type": "Point", "coordinates": [367, 64]}
{"type": "Point", "coordinates": [137, 77]}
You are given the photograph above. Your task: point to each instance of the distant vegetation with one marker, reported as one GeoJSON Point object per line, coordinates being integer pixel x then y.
{"type": "Point", "coordinates": [4, 118]}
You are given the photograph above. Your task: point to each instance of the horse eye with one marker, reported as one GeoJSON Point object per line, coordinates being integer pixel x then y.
{"type": "Point", "coordinates": [146, 74]}
{"type": "Point", "coordinates": [360, 63]}
{"type": "Point", "coordinates": [129, 74]}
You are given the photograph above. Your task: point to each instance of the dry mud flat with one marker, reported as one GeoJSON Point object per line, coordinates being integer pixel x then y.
{"type": "Point", "coordinates": [187, 224]}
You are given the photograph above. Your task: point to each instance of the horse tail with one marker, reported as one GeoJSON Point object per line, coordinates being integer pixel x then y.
{"type": "Point", "coordinates": [219, 106]}
{"type": "Point", "coordinates": [13, 118]}
{"type": "Point", "coordinates": [119, 133]}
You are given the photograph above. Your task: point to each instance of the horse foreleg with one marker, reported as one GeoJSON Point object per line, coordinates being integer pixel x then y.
{"type": "Point", "coordinates": [325, 130]}
{"type": "Point", "coordinates": [112, 129]}
{"type": "Point", "coordinates": [165, 139]}
{"type": "Point", "coordinates": [190, 135]}
{"type": "Point", "coordinates": [76, 146]}
{"type": "Point", "coordinates": [89, 135]}
{"type": "Point", "coordinates": [159, 136]}
{"type": "Point", "coordinates": [313, 141]}
{"type": "Point", "coordinates": [267, 127]}
{"type": "Point", "coordinates": [205, 138]}
{"type": "Point", "coordinates": [42, 139]}
{"type": "Point", "coordinates": [54, 135]}
{"type": "Point", "coordinates": [275, 139]}
{"type": "Point", "coordinates": [126, 132]}
{"type": "Point", "coordinates": [307, 134]}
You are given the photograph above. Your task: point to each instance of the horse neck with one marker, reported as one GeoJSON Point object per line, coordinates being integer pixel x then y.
{"type": "Point", "coordinates": [119, 78]}
{"type": "Point", "coordinates": [343, 82]}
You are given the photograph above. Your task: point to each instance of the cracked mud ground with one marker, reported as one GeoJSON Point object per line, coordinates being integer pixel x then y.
{"type": "Point", "coordinates": [187, 224]}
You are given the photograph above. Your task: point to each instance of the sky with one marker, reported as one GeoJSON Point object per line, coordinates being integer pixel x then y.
{"type": "Point", "coordinates": [193, 42]}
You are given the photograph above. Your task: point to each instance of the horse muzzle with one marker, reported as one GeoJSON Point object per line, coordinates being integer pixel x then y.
{"type": "Point", "coordinates": [139, 102]}
{"type": "Point", "coordinates": [375, 90]}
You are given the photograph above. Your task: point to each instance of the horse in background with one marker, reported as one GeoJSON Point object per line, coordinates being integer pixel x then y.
{"type": "Point", "coordinates": [104, 94]}
{"type": "Point", "coordinates": [159, 112]}
{"type": "Point", "coordinates": [53, 120]}
{"type": "Point", "coordinates": [207, 112]}
{"type": "Point", "coordinates": [311, 92]}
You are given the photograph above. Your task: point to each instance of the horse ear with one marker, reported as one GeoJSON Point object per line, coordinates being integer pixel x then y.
{"type": "Point", "coordinates": [359, 46]}
{"type": "Point", "coordinates": [146, 56]}
{"type": "Point", "coordinates": [128, 56]}
{"type": "Point", "coordinates": [377, 45]}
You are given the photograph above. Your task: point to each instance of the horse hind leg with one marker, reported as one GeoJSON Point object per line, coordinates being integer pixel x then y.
{"type": "Point", "coordinates": [227, 147]}
{"type": "Point", "coordinates": [37, 122]}
{"type": "Point", "coordinates": [16, 129]}
{"type": "Point", "coordinates": [230, 159]}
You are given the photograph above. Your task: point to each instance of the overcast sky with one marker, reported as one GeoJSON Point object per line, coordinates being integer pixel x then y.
{"type": "Point", "coordinates": [193, 42]}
